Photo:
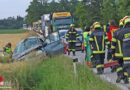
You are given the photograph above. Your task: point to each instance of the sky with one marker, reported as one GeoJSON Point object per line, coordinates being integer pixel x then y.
{"type": "Point", "coordinates": [13, 8]}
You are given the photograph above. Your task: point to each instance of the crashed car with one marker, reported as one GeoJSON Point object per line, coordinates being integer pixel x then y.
{"type": "Point", "coordinates": [52, 45]}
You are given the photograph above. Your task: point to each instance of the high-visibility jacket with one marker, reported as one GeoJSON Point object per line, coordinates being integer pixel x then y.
{"type": "Point", "coordinates": [98, 39]}
{"type": "Point", "coordinates": [85, 34]}
{"type": "Point", "coordinates": [8, 50]}
{"type": "Point", "coordinates": [71, 36]}
{"type": "Point", "coordinates": [112, 30]}
{"type": "Point", "coordinates": [124, 36]}
{"type": "Point", "coordinates": [116, 45]}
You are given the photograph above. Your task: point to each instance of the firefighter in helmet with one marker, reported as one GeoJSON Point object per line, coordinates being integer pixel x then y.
{"type": "Point", "coordinates": [71, 36]}
{"type": "Point", "coordinates": [98, 39]}
{"type": "Point", "coordinates": [118, 55]}
{"type": "Point", "coordinates": [124, 37]}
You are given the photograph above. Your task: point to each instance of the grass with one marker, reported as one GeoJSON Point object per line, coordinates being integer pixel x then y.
{"type": "Point", "coordinates": [12, 31]}
{"type": "Point", "coordinates": [57, 74]}
{"type": "Point", "coordinates": [51, 74]}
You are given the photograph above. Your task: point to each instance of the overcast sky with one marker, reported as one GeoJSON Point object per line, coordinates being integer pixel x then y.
{"type": "Point", "coordinates": [13, 8]}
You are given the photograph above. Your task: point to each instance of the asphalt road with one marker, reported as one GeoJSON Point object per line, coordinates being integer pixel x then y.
{"type": "Point", "coordinates": [107, 75]}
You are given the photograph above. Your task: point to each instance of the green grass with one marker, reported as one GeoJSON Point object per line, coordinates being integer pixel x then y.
{"type": "Point", "coordinates": [12, 31]}
{"type": "Point", "coordinates": [57, 74]}
{"type": "Point", "coordinates": [52, 74]}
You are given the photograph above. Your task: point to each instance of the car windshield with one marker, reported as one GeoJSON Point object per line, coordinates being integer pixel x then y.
{"type": "Point", "coordinates": [62, 33]}
{"type": "Point", "coordinates": [26, 44]}
{"type": "Point", "coordinates": [54, 37]}
{"type": "Point", "coordinates": [62, 21]}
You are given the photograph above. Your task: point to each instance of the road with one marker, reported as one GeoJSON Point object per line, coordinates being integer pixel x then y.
{"type": "Point", "coordinates": [107, 75]}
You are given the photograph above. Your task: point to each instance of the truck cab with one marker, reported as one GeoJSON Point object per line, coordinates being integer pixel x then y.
{"type": "Point", "coordinates": [61, 21]}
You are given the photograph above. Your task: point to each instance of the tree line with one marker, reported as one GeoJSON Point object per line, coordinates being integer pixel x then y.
{"type": "Point", "coordinates": [85, 12]}
{"type": "Point", "coordinates": [12, 23]}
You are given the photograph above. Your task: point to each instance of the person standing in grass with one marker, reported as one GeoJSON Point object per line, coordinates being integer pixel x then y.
{"type": "Point", "coordinates": [7, 49]}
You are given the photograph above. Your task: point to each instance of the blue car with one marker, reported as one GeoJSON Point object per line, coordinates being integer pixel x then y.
{"type": "Point", "coordinates": [52, 45]}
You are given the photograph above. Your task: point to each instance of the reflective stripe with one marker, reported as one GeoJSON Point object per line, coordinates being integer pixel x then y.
{"type": "Point", "coordinates": [77, 37]}
{"type": "Point", "coordinates": [119, 69]}
{"type": "Point", "coordinates": [125, 73]}
{"type": "Point", "coordinates": [126, 58]}
{"type": "Point", "coordinates": [69, 49]}
{"type": "Point", "coordinates": [96, 43]}
{"type": "Point", "coordinates": [113, 40]}
{"type": "Point", "coordinates": [119, 44]}
{"type": "Point", "coordinates": [73, 50]}
{"type": "Point", "coordinates": [108, 42]}
{"type": "Point", "coordinates": [129, 79]}
{"type": "Point", "coordinates": [103, 43]}
{"type": "Point", "coordinates": [113, 47]}
{"type": "Point", "coordinates": [99, 66]}
{"type": "Point", "coordinates": [106, 37]}
{"type": "Point", "coordinates": [90, 39]}
{"type": "Point", "coordinates": [66, 37]}
{"type": "Point", "coordinates": [98, 52]}
{"type": "Point", "coordinates": [118, 55]}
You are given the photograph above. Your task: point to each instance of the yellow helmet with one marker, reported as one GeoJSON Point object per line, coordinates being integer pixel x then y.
{"type": "Point", "coordinates": [126, 19]}
{"type": "Point", "coordinates": [121, 22]}
{"type": "Point", "coordinates": [72, 25]}
{"type": "Point", "coordinates": [97, 25]}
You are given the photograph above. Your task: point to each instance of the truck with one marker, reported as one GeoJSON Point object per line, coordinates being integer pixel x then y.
{"type": "Point", "coordinates": [61, 21]}
{"type": "Point", "coordinates": [45, 18]}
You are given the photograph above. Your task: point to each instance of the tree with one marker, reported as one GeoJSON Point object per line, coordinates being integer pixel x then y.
{"type": "Point", "coordinates": [34, 12]}
{"type": "Point", "coordinates": [123, 8]}
{"type": "Point", "coordinates": [109, 11]}
{"type": "Point", "coordinates": [81, 13]}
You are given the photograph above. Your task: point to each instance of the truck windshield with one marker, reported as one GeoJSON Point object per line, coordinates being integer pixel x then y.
{"type": "Point", "coordinates": [63, 21]}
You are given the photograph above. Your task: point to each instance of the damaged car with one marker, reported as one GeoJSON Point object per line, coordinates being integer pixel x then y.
{"type": "Point", "coordinates": [52, 45]}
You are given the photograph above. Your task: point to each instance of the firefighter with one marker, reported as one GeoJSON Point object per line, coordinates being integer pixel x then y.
{"type": "Point", "coordinates": [124, 37]}
{"type": "Point", "coordinates": [71, 36]}
{"type": "Point", "coordinates": [117, 54]}
{"type": "Point", "coordinates": [98, 39]}
{"type": "Point", "coordinates": [112, 28]}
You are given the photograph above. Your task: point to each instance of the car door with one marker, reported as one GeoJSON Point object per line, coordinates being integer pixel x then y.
{"type": "Point", "coordinates": [54, 45]}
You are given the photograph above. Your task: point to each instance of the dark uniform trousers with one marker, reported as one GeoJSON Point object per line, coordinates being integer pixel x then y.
{"type": "Point", "coordinates": [72, 46]}
{"type": "Point", "coordinates": [99, 60]}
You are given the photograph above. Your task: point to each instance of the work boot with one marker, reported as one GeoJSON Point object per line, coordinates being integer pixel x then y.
{"type": "Point", "coordinates": [99, 71]}
{"type": "Point", "coordinates": [126, 80]}
{"type": "Point", "coordinates": [118, 79]}
{"type": "Point", "coordinates": [113, 69]}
